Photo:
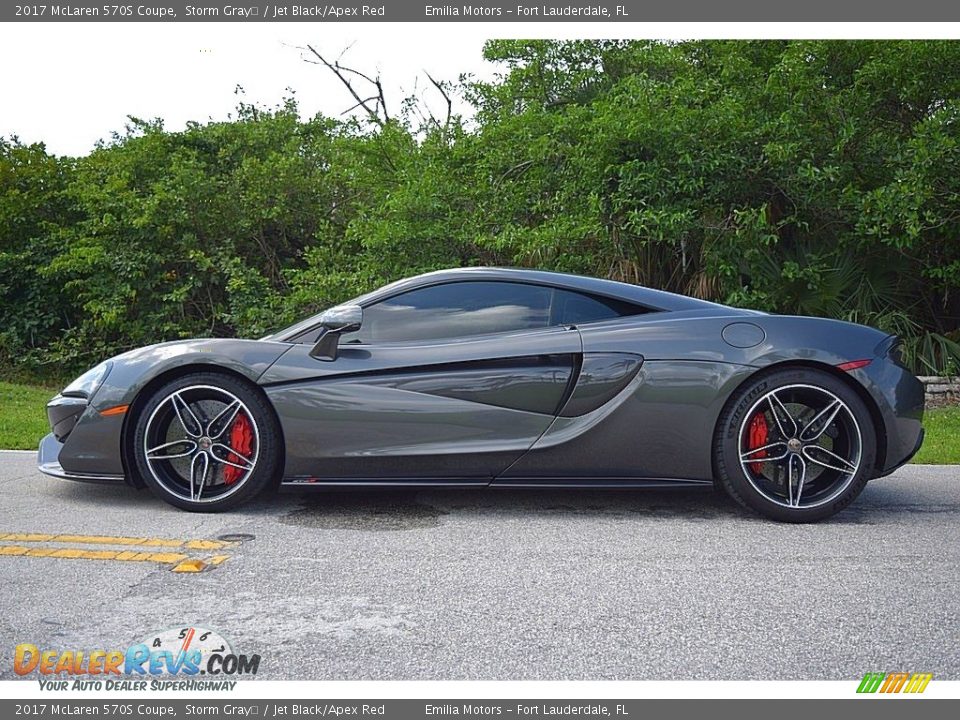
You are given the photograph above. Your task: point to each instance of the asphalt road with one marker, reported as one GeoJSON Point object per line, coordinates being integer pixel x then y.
{"type": "Point", "coordinates": [503, 584]}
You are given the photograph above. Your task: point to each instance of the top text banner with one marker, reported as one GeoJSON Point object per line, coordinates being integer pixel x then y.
{"type": "Point", "coordinates": [623, 11]}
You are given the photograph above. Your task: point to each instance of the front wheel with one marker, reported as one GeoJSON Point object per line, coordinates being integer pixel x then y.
{"type": "Point", "coordinates": [797, 445]}
{"type": "Point", "coordinates": [206, 442]}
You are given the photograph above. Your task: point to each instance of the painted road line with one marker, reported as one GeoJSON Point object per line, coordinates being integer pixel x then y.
{"type": "Point", "coordinates": [164, 551]}
{"type": "Point", "coordinates": [114, 540]}
{"type": "Point", "coordinates": [178, 562]}
{"type": "Point", "coordinates": [190, 565]}
{"type": "Point", "coordinates": [84, 554]}
{"type": "Point", "coordinates": [195, 565]}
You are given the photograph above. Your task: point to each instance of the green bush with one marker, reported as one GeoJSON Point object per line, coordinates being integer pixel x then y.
{"type": "Point", "coordinates": [813, 177]}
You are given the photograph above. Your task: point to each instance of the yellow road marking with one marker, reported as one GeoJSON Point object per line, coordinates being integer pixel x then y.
{"type": "Point", "coordinates": [27, 537]}
{"type": "Point", "coordinates": [189, 566]}
{"type": "Point", "coordinates": [194, 565]}
{"type": "Point", "coordinates": [208, 544]}
{"type": "Point", "coordinates": [84, 554]}
{"type": "Point", "coordinates": [12, 550]}
{"type": "Point", "coordinates": [134, 549]}
{"type": "Point", "coordinates": [114, 540]}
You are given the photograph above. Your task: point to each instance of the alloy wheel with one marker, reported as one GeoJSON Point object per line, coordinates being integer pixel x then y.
{"type": "Point", "coordinates": [201, 443]}
{"type": "Point", "coordinates": [800, 446]}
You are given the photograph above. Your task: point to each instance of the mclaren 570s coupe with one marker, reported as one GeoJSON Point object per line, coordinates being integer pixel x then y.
{"type": "Point", "coordinates": [509, 378]}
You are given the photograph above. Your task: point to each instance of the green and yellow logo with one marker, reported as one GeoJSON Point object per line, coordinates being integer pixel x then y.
{"type": "Point", "coordinates": [895, 682]}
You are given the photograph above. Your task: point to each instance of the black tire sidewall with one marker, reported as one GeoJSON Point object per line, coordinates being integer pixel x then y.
{"type": "Point", "coordinates": [268, 462]}
{"type": "Point", "coordinates": [727, 443]}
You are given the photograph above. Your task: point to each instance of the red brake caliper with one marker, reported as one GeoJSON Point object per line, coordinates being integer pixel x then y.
{"type": "Point", "coordinates": [757, 438]}
{"type": "Point", "coordinates": [241, 440]}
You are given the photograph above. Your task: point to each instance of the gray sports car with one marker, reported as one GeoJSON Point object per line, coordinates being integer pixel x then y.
{"type": "Point", "coordinates": [488, 377]}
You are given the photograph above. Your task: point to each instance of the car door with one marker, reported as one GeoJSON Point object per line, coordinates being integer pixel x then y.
{"type": "Point", "coordinates": [450, 383]}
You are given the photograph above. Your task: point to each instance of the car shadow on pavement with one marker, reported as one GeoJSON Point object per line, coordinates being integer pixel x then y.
{"type": "Point", "coordinates": [408, 510]}
{"type": "Point", "coordinates": [396, 509]}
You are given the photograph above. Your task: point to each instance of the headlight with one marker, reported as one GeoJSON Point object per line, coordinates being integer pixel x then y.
{"type": "Point", "coordinates": [87, 384]}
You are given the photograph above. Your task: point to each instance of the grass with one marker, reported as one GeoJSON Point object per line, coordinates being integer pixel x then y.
{"type": "Point", "coordinates": [23, 421]}
{"type": "Point", "coordinates": [941, 446]}
{"type": "Point", "coordinates": [23, 415]}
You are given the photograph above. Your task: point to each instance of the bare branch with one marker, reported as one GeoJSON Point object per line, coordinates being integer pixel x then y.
{"type": "Point", "coordinates": [359, 104]}
{"type": "Point", "coordinates": [346, 50]}
{"type": "Point", "coordinates": [346, 69]}
{"type": "Point", "coordinates": [379, 102]}
{"type": "Point", "coordinates": [446, 97]}
{"type": "Point", "coordinates": [383, 100]}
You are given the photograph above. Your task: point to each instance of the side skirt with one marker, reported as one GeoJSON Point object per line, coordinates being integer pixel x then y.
{"type": "Point", "coordinates": [315, 482]}
{"type": "Point", "coordinates": [600, 483]}
{"type": "Point", "coordinates": [515, 483]}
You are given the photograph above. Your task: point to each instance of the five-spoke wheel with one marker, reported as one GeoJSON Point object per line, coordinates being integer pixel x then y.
{"type": "Point", "coordinates": [802, 443]}
{"type": "Point", "coordinates": [202, 441]}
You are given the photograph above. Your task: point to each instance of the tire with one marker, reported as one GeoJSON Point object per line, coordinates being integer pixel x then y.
{"type": "Point", "coordinates": [207, 442]}
{"type": "Point", "coordinates": [796, 445]}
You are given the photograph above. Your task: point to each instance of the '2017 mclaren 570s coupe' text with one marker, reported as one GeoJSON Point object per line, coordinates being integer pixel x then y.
{"type": "Point", "coordinates": [488, 377]}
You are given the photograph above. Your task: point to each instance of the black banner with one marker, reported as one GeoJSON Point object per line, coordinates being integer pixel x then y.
{"type": "Point", "coordinates": [622, 11]}
{"type": "Point", "coordinates": [877, 709]}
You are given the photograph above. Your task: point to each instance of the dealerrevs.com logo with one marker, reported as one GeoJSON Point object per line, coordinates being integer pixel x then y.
{"type": "Point", "coordinates": [172, 659]}
{"type": "Point", "coordinates": [895, 682]}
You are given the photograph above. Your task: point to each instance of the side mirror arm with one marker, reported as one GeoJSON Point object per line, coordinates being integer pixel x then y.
{"type": "Point", "coordinates": [327, 346]}
{"type": "Point", "coordinates": [333, 323]}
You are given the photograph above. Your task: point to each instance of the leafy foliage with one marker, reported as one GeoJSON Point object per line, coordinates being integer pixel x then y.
{"type": "Point", "coordinates": [814, 177]}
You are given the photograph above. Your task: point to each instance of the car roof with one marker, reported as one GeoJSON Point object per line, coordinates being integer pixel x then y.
{"type": "Point", "coordinates": [648, 297]}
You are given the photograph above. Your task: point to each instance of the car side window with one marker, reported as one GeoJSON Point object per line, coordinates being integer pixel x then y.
{"type": "Point", "coordinates": [573, 308]}
{"type": "Point", "coordinates": [454, 310]}
{"type": "Point", "coordinates": [463, 309]}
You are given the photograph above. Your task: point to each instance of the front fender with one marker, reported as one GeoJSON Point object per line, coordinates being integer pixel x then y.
{"type": "Point", "coordinates": [94, 445]}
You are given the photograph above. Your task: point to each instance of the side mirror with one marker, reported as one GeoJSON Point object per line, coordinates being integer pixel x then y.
{"type": "Point", "coordinates": [342, 318]}
{"type": "Point", "coordinates": [336, 321]}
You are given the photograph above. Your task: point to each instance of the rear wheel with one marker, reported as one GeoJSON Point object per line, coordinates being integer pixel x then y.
{"type": "Point", "coordinates": [206, 442]}
{"type": "Point", "coordinates": [796, 445]}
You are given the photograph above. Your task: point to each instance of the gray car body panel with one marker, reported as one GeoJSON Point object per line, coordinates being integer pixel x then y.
{"type": "Point", "coordinates": [94, 445]}
{"type": "Point", "coordinates": [464, 409]}
{"type": "Point", "coordinates": [628, 401]}
{"type": "Point", "coordinates": [659, 426]}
